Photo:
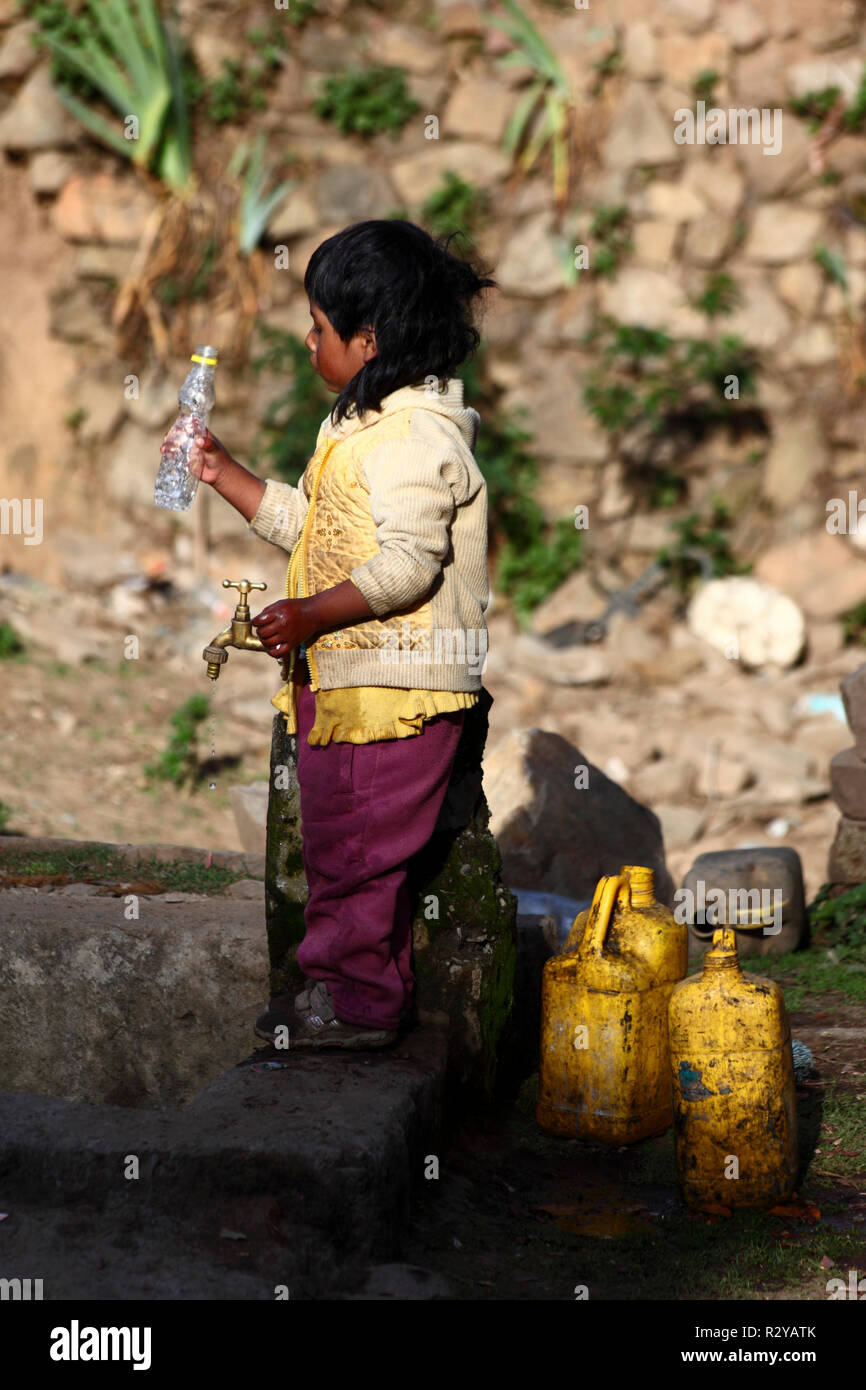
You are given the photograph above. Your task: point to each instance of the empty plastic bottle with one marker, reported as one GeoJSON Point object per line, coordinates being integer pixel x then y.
{"type": "Point", "coordinates": [175, 485]}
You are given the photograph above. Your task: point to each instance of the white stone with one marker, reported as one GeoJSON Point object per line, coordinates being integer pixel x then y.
{"type": "Point", "coordinates": [764, 627]}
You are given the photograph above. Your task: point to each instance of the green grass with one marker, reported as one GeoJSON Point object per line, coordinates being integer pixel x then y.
{"type": "Point", "coordinates": [178, 763]}
{"type": "Point", "coordinates": [108, 867]}
{"type": "Point", "coordinates": [804, 975]}
{"type": "Point", "coordinates": [843, 1140]}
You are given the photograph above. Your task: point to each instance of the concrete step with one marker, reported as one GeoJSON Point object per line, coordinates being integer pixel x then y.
{"type": "Point", "coordinates": [336, 1140]}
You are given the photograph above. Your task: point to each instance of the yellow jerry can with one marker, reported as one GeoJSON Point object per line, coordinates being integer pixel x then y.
{"type": "Point", "coordinates": [605, 1068]}
{"type": "Point", "coordinates": [735, 1112]}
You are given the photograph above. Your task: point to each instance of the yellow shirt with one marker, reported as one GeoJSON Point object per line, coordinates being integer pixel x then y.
{"type": "Point", "coordinates": [363, 713]}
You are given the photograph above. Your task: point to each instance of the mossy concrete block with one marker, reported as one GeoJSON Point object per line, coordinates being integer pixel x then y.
{"type": "Point", "coordinates": [286, 889]}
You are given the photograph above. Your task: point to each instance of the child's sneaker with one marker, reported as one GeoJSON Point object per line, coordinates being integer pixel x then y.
{"type": "Point", "coordinates": [318, 1026]}
{"type": "Point", "coordinates": [280, 1013]}
{"type": "Point", "coordinates": [287, 1011]}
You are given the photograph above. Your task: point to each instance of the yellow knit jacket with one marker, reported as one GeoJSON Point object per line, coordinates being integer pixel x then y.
{"type": "Point", "coordinates": [429, 500]}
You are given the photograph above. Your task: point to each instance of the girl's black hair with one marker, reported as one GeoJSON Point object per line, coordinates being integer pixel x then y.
{"type": "Point", "coordinates": [406, 285]}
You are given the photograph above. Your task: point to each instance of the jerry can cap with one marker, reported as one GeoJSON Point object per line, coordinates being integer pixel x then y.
{"type": "Point", "coordinates": [723, 954]}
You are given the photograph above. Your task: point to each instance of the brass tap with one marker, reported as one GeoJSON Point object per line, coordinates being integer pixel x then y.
{"type": "Point", "coordinates": [239, 632]}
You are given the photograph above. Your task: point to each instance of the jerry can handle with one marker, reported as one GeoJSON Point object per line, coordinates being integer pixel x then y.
{"type": "Point", "coordinates": [600, 914]}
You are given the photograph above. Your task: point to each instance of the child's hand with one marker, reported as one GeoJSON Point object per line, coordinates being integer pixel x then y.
{"type": "Point", "coordinates": [208, 459]}
{"type": "Point", "coordinates": [284, 625]}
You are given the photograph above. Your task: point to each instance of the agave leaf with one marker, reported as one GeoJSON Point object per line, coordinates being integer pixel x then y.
{"type": "Point", "coordinates": [153, 28]}
{"type": "Point", "coordinates": [536, 47]}
{"type": "Point", "coordinates": [120, 33]}
{"type": "Point", "coordinates": [89, 60]}
{"type": "Point", "coordinates": [519, 117]}
{"type": "Point", "coordinates": [560, 166]}
{"type": "Point", "coordinates": [181, 132]}
{"type": "Point", "coordinates": [539, 139]}
{"type": "Point", "coordinates": [173, 165]}
{"type": "Point", "coordinates": [254, 218]}
{"type": "Point", "coordinates": [100, 127]}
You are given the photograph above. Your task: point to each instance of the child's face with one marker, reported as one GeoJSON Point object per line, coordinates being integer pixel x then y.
{"type": "Point", "coordinates": [335, 361]}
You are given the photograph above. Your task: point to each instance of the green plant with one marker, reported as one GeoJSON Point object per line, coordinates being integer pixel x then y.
{"type": "Point", "coordinates": [291, 422]}
{"type": "Point", "coordinates": [75, 419]}
{"type": "Point", "coordinates": [704, 86]}
{"type": "Point", "coordinates": [228, 96]}
{"type": "Point", "coordinates": [648, 377]}
{"type": "Point", "coordinates": [833, 265]}
{"type": "Point", "coordinates": [839, 920]}
{"type": "Point", "coordinates": [134, 61]}
{"type": "Point", "coordinates": [708, 536]}
{"type": "Point", "coordinates": [256, 206]}
{"type": "Point", "coordinates": [666, 488]}
{"type": "Point", "coordinates": [178, 763]}
{"type": "Point", "coordinates": [455, 206]}
{"type": "Point", "coordinates": [5, 813]}
{"type": "Point", "coordinates": [529, 570]}
{"type": "Point", "coordinates": [549, 89]}
{"type": "Point", "coordinates": [854, 625]}
{"type": "Point", "coordinates": [299, 12]}
{"type": "Point", "coordinates": [720, 295]}
{"type": "Point", "coordinates": [365, 101]}
{"type": "Point", "coordinates": [815, 106]}
{"type": "Point", "coordinates": [611, 233]}
{"type": "Point", "coordinates": [10, 643]}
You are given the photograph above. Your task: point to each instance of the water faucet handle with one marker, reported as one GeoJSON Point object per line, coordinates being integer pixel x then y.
{"type": "Point", "coordinates": [243, 587]}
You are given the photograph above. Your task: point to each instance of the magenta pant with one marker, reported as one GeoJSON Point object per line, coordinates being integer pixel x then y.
{"type": "Point", "coordinates": [366, 809]}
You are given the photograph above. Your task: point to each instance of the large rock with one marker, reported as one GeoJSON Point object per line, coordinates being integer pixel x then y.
{"type": "Point", "coordinates": [640, 134]}
{"type": "Point", "coordinates": [250, 807]}
{"type": "Point", "coordinates": [763, 887]}
{"type": "Point", "coordinates": [416, 178]}
{"type": "Point", "coordinates": [798, 453]}
{"type": "Point", "coordinates": [530, 263]}
{"type": "Point", "coordinates": [847, 861]}
{"type": "Point", "coordinates": [781, 232]}
{"type": "Point", "coordinates": [102, 207]}
{"type": "Point", "coordinates": [853, 689]}
{"type": "Point", "coordinates": [36, 119]}
{"type": "Point", "coordinates": [558, 837]}
{"type": "Point", "coordinates": [818, 571]}
{"type": "Point", "coordinates": [848, 783]}
{"type": "Point", "coordinates": [352, 193]}
{"type": "Point", "coordinates": [464, 928]}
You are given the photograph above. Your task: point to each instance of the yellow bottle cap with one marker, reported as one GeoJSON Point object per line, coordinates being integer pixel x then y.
{"type": "Point", "coordinates": [210, 361]}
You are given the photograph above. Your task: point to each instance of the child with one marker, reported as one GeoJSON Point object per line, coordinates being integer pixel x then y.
{"type": "Point", "coordinates": [387, 586]}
